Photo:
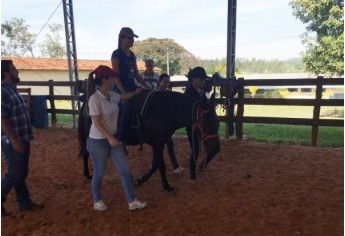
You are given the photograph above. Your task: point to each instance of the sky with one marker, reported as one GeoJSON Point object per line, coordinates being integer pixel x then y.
{"type": "Point", "coordinates": [266, 29]}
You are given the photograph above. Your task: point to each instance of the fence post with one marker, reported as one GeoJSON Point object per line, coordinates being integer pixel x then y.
{"type": "Point", "coordinates": [52, 103]}
{"type": "Point", "coordinates": [316, 112]}
{"type": "Point", "coordinates": [240, 109]}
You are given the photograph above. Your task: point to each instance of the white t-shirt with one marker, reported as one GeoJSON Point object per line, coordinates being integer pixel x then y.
{"type": "Point", "coordinates": [108, 110]}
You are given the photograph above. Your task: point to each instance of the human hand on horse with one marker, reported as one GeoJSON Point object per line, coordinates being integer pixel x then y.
{"type": "Point", "coordinates": [137, 91]}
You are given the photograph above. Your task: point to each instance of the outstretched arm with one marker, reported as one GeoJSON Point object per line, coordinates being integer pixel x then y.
{"type": "Point", "coordinates": [126, 96]}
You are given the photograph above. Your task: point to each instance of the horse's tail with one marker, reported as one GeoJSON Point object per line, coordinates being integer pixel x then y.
{"type": "Point", "coordinates": [83, 130]}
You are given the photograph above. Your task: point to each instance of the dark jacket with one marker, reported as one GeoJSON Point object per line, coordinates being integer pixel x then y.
{"type": "Point", "coordinates": [191, 91]}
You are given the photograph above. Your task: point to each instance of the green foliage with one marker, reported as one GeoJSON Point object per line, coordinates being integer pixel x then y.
{"type": "Point", "coordinates": [283, 93]}
{"type": "Point", "coordinates": [180, 60]}
{"type": "Point", "coordinates": [324, 39]}
{"type": "Point", "coordinates": [16, 40]}
{"type": "Point", "coordinates": [272, 93]}
{"type": "Point", "coordinates": [163, 50]}
{"type": "Point", "coordinates": [244, 65]}
{"type": "Point", "coordinates": [253, 90]}
{"type": "Point", "coordinates": [215, 65]}
{"type": "Point", "coordinates": [52, 47]}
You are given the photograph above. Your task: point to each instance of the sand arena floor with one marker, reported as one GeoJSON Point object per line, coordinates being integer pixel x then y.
{"type": "Point", "coordinates": [249, 189]}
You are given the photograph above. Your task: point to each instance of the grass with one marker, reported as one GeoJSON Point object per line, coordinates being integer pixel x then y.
{"type": "Point", "coordinates": [294, 134]}
{"type": "Point", "coordinates": [287, 134]}
{"type": "Point", "coordinates": [284, 134]}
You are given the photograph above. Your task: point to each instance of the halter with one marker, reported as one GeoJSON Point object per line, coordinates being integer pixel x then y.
{"type": "Point", "coordinates": [197, 123]}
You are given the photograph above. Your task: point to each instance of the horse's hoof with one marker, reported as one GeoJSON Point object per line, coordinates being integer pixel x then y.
{"type": "Point", "coordinates": [137, 182]}
{"type": "Point", "coordinates": [171, 192]}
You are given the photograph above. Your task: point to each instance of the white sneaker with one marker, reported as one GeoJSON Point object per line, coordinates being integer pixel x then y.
{"type": "Point", "coordinates": [100, 206]}
{"type": "Point", "coordinates": [136, 204]}
{"type": "Point", "coordinates": [178, 170]}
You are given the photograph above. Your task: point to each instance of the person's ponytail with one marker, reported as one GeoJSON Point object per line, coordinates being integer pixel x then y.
{"type": "Point", "coordinates": [91, 85]}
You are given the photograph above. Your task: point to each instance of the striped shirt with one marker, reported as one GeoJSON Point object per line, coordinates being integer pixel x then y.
{"type": "Point", "coordinates": [13, 108]}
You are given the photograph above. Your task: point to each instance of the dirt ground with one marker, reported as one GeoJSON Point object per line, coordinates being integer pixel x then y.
{"type": "Point", "coordinates": [249, 189]}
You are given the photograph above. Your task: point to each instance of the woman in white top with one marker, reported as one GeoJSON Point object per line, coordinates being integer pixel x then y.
{"type": "Point", "coordinates": [102, 143]}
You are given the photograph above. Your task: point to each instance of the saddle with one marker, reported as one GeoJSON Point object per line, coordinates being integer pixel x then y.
{"type": "Point", "coordinates": [228, 86]}
{"type": "Point", "coordinates": [139, 111]}
{"type": "Point", "coordinates": [228, 89]}
{"type": "Point", "coordinates": [139, 108]}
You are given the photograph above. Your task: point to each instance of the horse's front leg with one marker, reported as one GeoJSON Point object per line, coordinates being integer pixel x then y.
{"type": "Point", "coordinates": [157, 163]}
{"type": "Point", "coordinates": [148, 175]}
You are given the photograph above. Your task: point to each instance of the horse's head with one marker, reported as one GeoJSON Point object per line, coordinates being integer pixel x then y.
{"type": "Point", "coordinates": [207, 124]}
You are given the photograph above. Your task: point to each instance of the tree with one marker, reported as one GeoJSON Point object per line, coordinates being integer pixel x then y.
{"type": "Point", "coordinates": [52, 47]}
{"type": "Point", "coordinates": [324, 51]}
{"type": "Point", "coordinates": [16, 40]}
{"type": "Point", "coordinates": [164, 51]}
{"type": "Point", "coordinates": [215, 65]}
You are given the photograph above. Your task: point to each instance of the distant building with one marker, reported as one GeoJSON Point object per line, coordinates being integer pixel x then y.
{"type": "Point", "coordinates": [44, 69]}
{"type": "Point", "coordinates": [294, 91]}
{"type": "Point", "coordinates": [307, 91]}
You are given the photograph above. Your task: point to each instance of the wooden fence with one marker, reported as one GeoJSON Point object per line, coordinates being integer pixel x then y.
{"type": "Point", "coordinates": [240, 101]}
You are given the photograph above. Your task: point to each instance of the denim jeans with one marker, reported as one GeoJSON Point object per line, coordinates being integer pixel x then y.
{"type": "Point", "coordinates": [100, 150]}
{"type": "Point", "coordinates": [17, 171]}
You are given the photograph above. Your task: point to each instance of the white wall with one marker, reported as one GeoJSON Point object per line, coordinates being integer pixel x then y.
{"type": "Point", "coordinates": [30, 75]}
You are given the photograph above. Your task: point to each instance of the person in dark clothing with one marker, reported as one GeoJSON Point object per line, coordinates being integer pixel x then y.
{"type": "Point", "coordinates": [196, 78]}
{"type": "Point", "coordinates": [16, 134]}
{"type": "Point", "coordinates": [163, 85]}
{"type": "Point", "coordinates": [124, 64]}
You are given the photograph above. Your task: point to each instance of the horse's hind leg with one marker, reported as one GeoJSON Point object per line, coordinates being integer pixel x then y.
{"type": "Point", "coordinates": [86, 172]}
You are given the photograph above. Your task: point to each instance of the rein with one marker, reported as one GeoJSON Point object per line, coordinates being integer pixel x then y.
{"type": "Point", "coordinates": [197, 123]}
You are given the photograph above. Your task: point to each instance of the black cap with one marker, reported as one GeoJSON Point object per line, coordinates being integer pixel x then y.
{"type": "Point", "coordinates": [126, 31]}
{"type": "Point", "coordinates": [197, 72]}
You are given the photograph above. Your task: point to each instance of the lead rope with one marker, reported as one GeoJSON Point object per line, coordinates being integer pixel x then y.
{"type": "Point", "coordinates": [193, 127]}
{"type": "Point", "coordinates": [145, 102]}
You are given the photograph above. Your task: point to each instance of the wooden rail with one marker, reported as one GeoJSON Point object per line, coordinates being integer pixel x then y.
{"type": "Point", "coordinates": [315, 122]}
{"type": "Point", "coordinates": [240, 101]}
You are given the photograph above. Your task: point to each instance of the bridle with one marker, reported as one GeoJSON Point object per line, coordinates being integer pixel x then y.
{"type": "Point", "coordinates": [197, 122]}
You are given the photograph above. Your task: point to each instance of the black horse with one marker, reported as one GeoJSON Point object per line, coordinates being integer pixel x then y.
{"type": "Point", "coordinates": [158, 115]}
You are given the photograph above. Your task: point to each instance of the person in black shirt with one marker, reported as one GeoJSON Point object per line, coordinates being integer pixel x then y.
{"type": "Point", "coordinates": [196, 78]}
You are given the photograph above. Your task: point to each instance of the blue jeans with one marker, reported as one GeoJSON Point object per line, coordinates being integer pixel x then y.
{"type": "Point", "coordinates": [17, 171]}
{"type": "Point", "coordinates": [100, 150]}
